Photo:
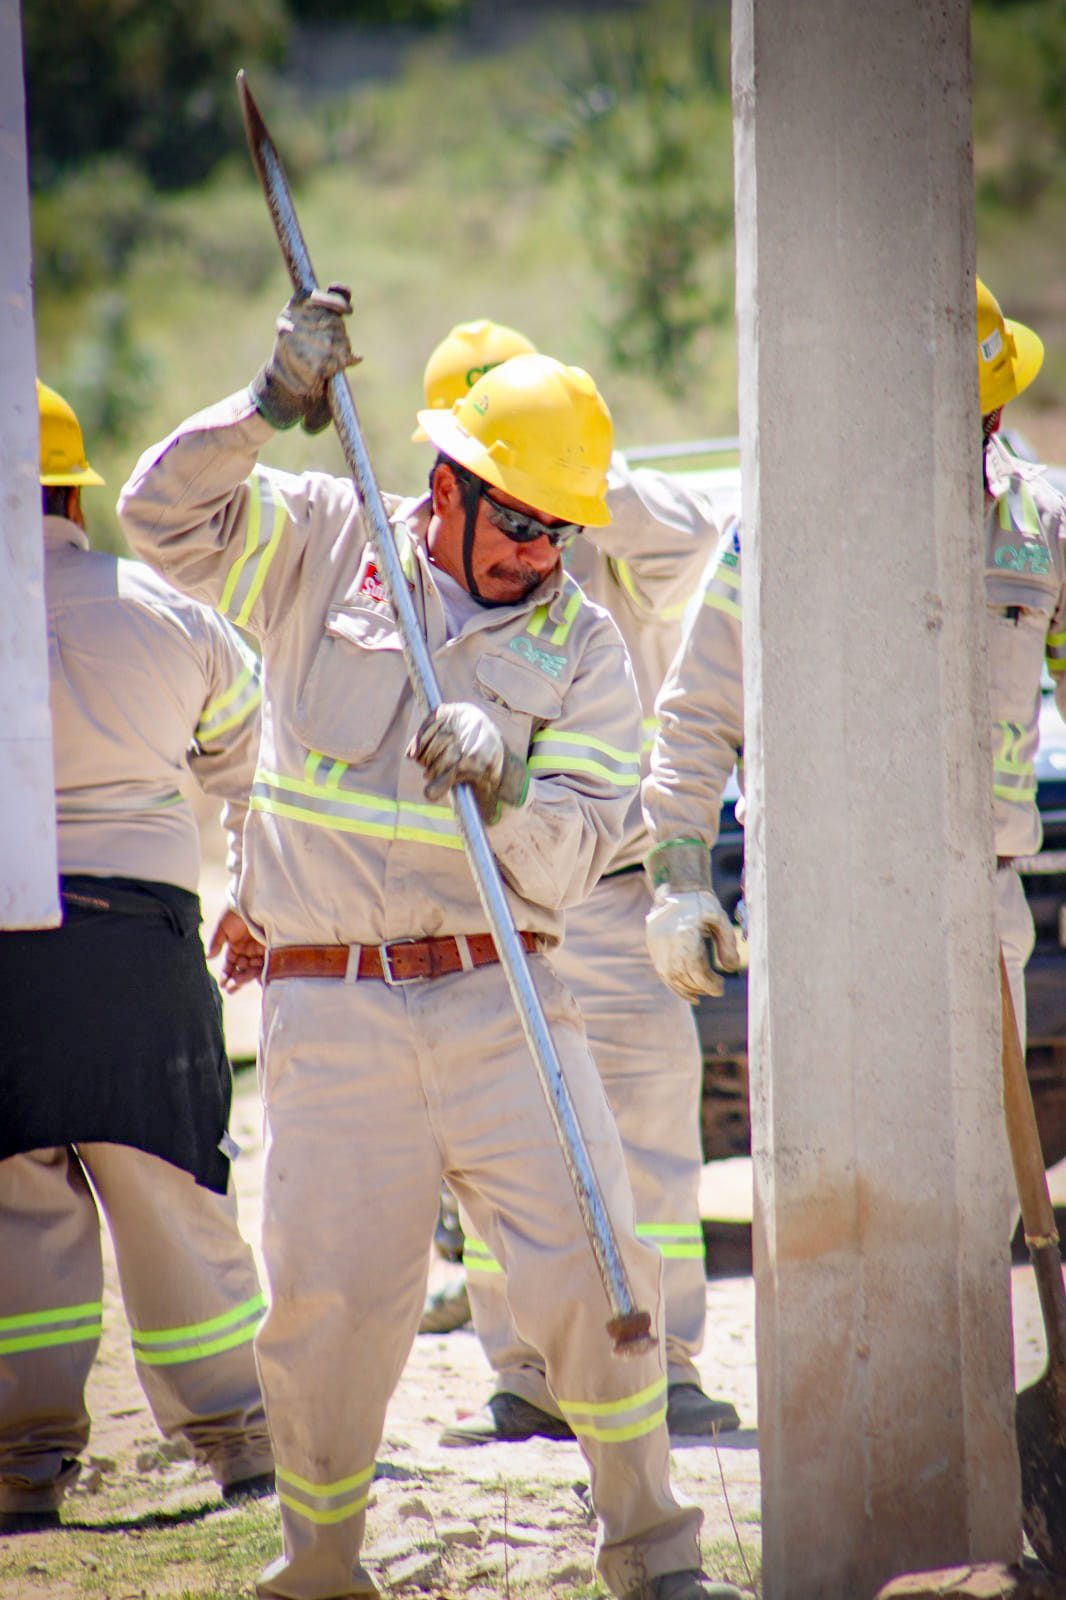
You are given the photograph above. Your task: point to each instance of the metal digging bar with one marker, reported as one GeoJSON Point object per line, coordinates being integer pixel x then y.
{"type": "Point", "coordinates": [629, 1327]}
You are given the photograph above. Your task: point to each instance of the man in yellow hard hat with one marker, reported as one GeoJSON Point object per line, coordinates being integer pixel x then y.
{"type": "Point", "coordinates": [701, 707]}
{"type": "Point", "coordinates": [114, 1064]}
{"type": "Point", "coordinates": [392, 1054]}
{"type": "Point", "coordinates": [641, 568]}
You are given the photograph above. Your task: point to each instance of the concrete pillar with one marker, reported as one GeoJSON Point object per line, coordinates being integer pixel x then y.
{"type": "Point", "coordinates": [885, 1390]}
{"type": "Point", "coordinates": [28, 888]}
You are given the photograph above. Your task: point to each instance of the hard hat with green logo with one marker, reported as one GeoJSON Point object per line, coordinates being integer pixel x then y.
{"type": "Point", "coordinates": [463, 356]}
{"type": "Point", "coordinates": [63, 459]}
{"type": "Point", "coordinates": [1009, 355]}
{"type": "Point", "coordinates": [536, 429]}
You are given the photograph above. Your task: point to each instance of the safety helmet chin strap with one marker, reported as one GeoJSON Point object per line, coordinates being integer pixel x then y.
{"type": "Point", "coordinates": [472, 488]}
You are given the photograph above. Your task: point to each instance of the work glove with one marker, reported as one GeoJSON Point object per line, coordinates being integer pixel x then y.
{"type": "Point", "coordinates": [685, 915]}
{"type": "Point", "coordinates": [310, 345]}
{"type": "Point", "coordinates": [459, 743]}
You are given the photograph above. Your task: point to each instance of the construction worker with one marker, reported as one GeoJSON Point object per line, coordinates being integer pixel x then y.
{"type": "Point", "coordinates": [701, 706]}
{"type": "Point", "coordinates": [391, 1052]}
{"type": "Point", "coordinates": [115, 1068]}
{"type": "Point", "coordinates": [641, 568]}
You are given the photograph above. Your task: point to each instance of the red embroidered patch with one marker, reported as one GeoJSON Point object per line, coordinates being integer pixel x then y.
{"type": "Point", "coordinates": [372, 584]}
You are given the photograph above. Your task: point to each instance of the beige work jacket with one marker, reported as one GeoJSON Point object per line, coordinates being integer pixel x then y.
{"type": "Point", "coordinates": [1025, 586]}
{"type": "Point", "coordinates": [341, 845]}
{"type": "Point", "coordinates": [700, 711]}
{"type": "Point", "coordinates": [144, 683]}
{"type": "Point", "coordinates": [701, 708]}
{"type": "Point", "coordinates": [644, 568]}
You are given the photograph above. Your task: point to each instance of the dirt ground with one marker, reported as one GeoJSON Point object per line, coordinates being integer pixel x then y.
{"type": "Point", "coordinates": [502, 1520]}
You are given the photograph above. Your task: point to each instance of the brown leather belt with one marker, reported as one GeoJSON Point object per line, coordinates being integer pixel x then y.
{"type": "Point", "coordinates": [400, 961]}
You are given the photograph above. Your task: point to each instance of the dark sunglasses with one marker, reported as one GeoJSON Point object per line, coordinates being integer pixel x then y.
{"type": "Point", "coordinates": [517, 525]}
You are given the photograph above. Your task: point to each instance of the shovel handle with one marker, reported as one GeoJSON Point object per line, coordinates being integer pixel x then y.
{"type": "Point", "coordinates": [1027, 1156]}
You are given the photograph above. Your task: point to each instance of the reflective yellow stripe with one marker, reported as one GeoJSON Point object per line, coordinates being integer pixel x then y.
{"type": "Point", "coordinates": [260, 542]}
{"type": "Point", "coordinates": [374, 830]}
{"type": "Point", "coordinates": [614, 1408]}
{"type": "Point", "coordinates": [537, 621]}
{"type": "Point", "coordinates": [36, 1330]}
{"type": "Point", "coordinates": [193, 1330]}
{"type": "Point", "coordinates": [649, 727]}
{"type": "Point", "coordinates": [325, 1515]}
{"type": "Point", "coordinates": [623, 780]}
{"type": "Point", "coordinates": [46, 1341]}
{"type": "Point", "coordinates": [210, 712]}
{"type": "Point", "coordinates": [624, 573]}
{"type": "Point", "coordinates": [587, 741]}
{"type": "Point", "coordinates": [681, 1241]}
{"type": "Point", "coordinates": [477, 1257]}
{"type": "Point", "coordinates": [197, 1352]}
{"type": "Point", "coordinates": [562, 761]}
{"type": "Point", "coordinates": [718, 602]}
{"type": "Point", "coordinates": [631, 1430]}
{"type": "Point", "coordinates": [573, 606]}
{"type": "Point", "coordinates": [326, 1491]}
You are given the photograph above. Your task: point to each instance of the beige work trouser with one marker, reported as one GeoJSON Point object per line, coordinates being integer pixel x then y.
{"type": "Point", "coordinates": [1014, 925]}
{"type": "Point", "coordinates": [373, 1094]}
{"type": "Point", "coordinates": [191, 1295]}
{"type": "Point", "coordinates": [643, 1040]}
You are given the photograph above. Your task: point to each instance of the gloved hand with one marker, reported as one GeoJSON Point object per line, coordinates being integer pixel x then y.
{"type": "Point", "coordinates": [685, 913]}
{"type": "Point", "coordinates": [459, 743]}
{"type": "Point", "coordinates": [310, 345]}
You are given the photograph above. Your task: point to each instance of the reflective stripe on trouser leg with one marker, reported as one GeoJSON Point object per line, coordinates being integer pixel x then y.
{"type": "Point", "coordinates": [505, 1165]}
{"type": "Point", "coordinates": [51, 1287]}
{"type": "Point", "coordinates": [351, 1190]}
{"type": "Point", "coordinates": [193, 1301]}
{"type": "Point", "coordinates": [643, 1039]}
{"type": "Point", "coordinates": [1015, 931]}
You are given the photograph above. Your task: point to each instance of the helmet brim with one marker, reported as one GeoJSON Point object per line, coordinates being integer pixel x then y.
{"type": "Point", "coordinates": [443, 429]}
{"type": "Point", "coordinates": [1028, 354]}
{"type": "Point", "coordinates": [74, 478]}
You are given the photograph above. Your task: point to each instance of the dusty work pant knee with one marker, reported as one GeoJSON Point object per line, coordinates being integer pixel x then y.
{"type": "Point", "coordinates": [51, 1309]}
{"type": "Point", "coordinates": [194, 1302]}
{"type": "Point", "coordinates": [644, 1043]}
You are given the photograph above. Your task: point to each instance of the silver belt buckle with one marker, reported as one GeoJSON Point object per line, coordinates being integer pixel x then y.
{"type": "Point", "coordinates": [390, 977]}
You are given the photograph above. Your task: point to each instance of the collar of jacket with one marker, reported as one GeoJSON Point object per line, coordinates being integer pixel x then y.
{"type": "Point", "coordinates": [411, 520]}
{"type": "Point", "coordinates": [60, 530]}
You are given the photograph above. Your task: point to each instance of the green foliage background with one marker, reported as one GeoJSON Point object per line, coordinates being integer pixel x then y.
{"type": "Point", "coordinates": [576, 183]}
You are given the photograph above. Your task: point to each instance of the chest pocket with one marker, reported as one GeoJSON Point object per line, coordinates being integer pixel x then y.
{"type": "Point", "coordinates": [355, 686]}
{"type": "Point", "coordinates": [519, 698]}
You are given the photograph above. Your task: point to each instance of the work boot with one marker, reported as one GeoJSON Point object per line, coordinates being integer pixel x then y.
{"type": "Point", "coordinates": [446, 1309]}
{"type": "Point", "coordinates": [257, 1487]}
{"type": "Point", "coordinates": [688, 1585]}
{"type": "Point", "coordinates": [28, 1521]}
{"type": "Point", "coordinates": [691, 1414]}
{"type": "Point", "coordinates": [505, 1420]}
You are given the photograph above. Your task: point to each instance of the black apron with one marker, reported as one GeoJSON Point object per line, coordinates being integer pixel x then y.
{"type": "Point", "coordinates": [111, 1029]}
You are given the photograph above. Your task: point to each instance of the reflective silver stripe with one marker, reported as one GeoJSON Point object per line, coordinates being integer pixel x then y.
{"type": "Point", "coordinates": [194, 1341]}
{"type": "Point", "coordinates": [1055, 649]}
{"type": "Point", "coordinates": [723, 590]}
{"type": "Point", "coordinates": [233, 707]}
{"type": "Point", "coordinates": [675, 1241]}
{"type": "Point", "coordinates": [477, 1257]}
{"type": "Point", "coordinates": [267, 515]}
{"type": "Point", "coordinates": [325, 1503]}
{"type": "Point", "coordinates": [133, 804]}
{"type": "Point", "coordinates": [45, 1330]}
{"type": "Point", "coordinates": [556, 751]}
{"type": "Point", "coordinates": [1014, 777]}
{"type": "Point", "coordinates": [616, 1421]}
{"type": "Point", "coordinates": [331, 805]}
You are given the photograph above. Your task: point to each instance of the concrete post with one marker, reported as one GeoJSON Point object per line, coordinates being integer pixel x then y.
{"type": "Point", "coordinates": [28, 888]}
{"type": "Point", "coordinates": [881, 1209]}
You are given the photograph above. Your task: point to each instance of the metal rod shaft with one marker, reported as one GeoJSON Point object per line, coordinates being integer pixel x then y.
{"type": "Point", "coordinates": [629, 1326]}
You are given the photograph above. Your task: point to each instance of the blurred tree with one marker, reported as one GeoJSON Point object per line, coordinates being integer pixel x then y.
{"type": "Point", "coordinates": [380, 13]}
{"type": "Point", "coordinates": [647, 129]}
{"type": "Point", "coordinates": [150, 78]}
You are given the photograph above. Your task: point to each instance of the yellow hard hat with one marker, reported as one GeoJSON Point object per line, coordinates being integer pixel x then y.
{"type": "Point", "coordinates": [536, 429]}
{"type": "Point", "coordinates": [63, 459]}
{"type": "Point", "coordinates": [1009, 355]}
{"type": "Point", "coordinates": [465, 355]}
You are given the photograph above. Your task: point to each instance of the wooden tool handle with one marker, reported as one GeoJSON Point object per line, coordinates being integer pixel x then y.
{"type": "Point", "coordinates": [1038, 1215]}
